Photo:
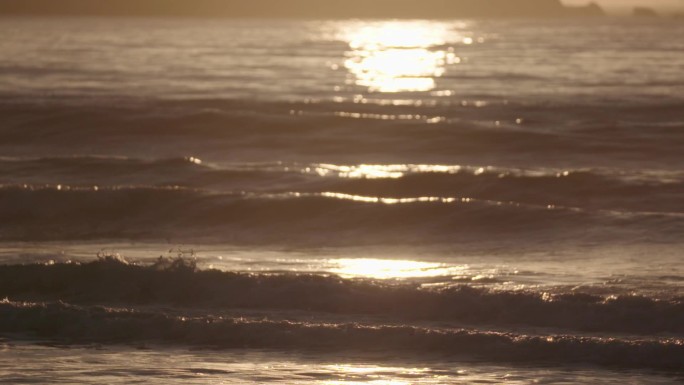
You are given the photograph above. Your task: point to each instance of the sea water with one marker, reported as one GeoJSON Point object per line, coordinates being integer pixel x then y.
{"type": "Point", "coordinates": [354, 202]}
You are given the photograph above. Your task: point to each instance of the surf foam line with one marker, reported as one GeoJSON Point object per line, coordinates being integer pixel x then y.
{"type": "Point", "coordinates": [179, 283]}
{"type": "Point", "coordinates": [69, 324]}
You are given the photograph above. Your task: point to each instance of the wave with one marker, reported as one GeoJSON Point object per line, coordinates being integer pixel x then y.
{"type": "Point", "coordinates": [640, 190]}
{"type": "Point", "coordinates": [583, 188]}
{"type": "Point", "coordinates": [64, 213]}
{"type": "Point", "coordinates": [112, 171]}
{"type": "Point", "coordinates": [315, 128]}
{"type": "Point", "coordinates": [71, 324]}
{"type": "Point", "coordinates": [178, 283]}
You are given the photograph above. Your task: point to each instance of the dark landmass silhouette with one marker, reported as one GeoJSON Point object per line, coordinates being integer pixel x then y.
{"type": "Point", "coordinates": [644, 12]}
{"type": "Point", "coordinates": [431, 9]}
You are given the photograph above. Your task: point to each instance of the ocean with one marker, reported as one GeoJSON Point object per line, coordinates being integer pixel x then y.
{"type": "Point", "coordinates": [217, 201]}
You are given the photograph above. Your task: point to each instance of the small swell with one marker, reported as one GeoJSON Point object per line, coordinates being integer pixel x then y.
{"type": "Point", "coordinates": [62, 212]}
{"type": "Point", "coordinates": [580, 188]}
{"type": "Point", "coordinates": [585, 188]}
{"type": "Point", "coordinates": [178, 283]}
{"type": "Point", "coordinates": [232, 125]}
{"type": "Point", "coordinates": [56, 212]}
{"type": "Point", "coordinates": [82, 171]}
{"type": "Point", "coordinates": [76, 324]}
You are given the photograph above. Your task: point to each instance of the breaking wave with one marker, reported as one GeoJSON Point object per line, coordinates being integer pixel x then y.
{"type": "Point", "coordinates": [71, 324]}
{"type": "Point", "coordinates": [179, 283]}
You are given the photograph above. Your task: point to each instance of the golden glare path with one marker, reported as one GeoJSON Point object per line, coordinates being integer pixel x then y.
{"type": "Point", "coordinates": [387, 269]}
{"type": "Point", "coordinates": [398, 56]}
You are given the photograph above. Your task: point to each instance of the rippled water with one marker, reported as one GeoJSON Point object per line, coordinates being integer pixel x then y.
{"type": "Point", "coordinates": [120, 366]}
{"type": "Point", "coordinates": [367, 202]}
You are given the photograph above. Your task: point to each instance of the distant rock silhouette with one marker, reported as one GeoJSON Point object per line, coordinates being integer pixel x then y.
{"type": "Point", "coordinates": [589, 10]}
{"type": "Point", "coordinates": [441, 9]}
{"type": "Point", "coordinates": [644, 12]}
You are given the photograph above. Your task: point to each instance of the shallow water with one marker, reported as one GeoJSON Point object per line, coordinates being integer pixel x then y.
{"type": "Point", "coordinates": [95, 365]}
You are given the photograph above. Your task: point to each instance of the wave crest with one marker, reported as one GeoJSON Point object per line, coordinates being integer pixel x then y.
{"type": "Point", "coordinates": [77, 324]}
{"type": "Point", "coordinates": [178, 283]}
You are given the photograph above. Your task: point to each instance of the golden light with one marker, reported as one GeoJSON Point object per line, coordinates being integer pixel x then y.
{"type": "Point", "coordinates": [385, 200]}
{"type": "Point", "coordinates": [380, 171]}
{"type": "Point", "coordinates": [388, 269]}
{"type": "Point", "coordinates": [398, 56]}
{"type": "Point", "coordinates": [372, 382]}
{"type": "Point", "coordinates": [373, 375]}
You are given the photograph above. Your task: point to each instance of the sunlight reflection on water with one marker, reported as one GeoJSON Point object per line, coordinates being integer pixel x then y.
{"type": "Point", "coordinates": [189, 367]}
{"type": "Point", "coordinates": [385, 269]}
{"type": "Point", "coordinates": [377, 171]}
{"type": "Point", "coordinates": [398, 56]}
